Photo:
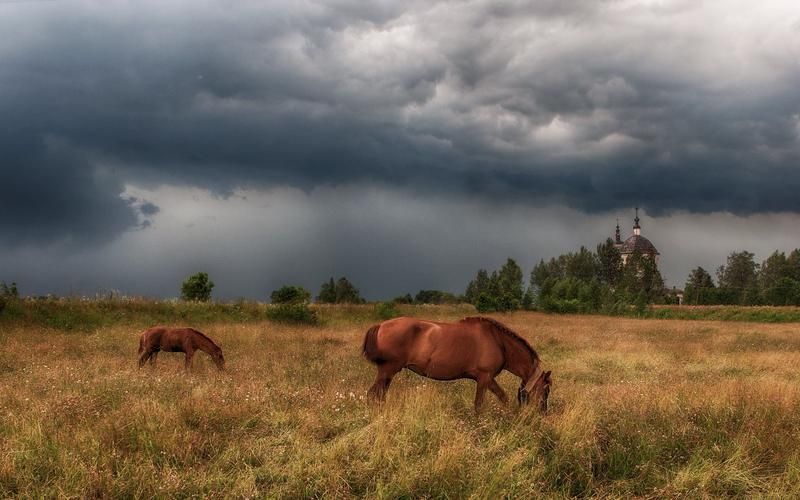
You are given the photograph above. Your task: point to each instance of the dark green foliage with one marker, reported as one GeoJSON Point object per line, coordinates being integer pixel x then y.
{"type": "Point", "coordinates": [403, 299]}
{"type": "Point", "coordinates": [609, 263]}
{"type": "Point", "coordinates": [641, 276]}
{"type": "Point", "coordinates": [477, 286]}
{"type": "Point", "coordinates": [435, 297]}
{"type": "Point", "coordinates": [327, 293]}
{"type": "Point", "coordinates": [9, 291]}
{"type": "Point", "coordinates": [339, 292]}
{"type": "Point", "coordinates": [700, 288]}
{"type": "Point", "coordinates": [738, 279]}
{"type": "Point", "coordinates": [197, 287]}
{"type": "Point", "coordinates": [347, 293]}
{"type": "Point", "coordinates": [7, 294]}
{"type": "Point", "coordinates": [290, 294]}
{"type": "Point", "coordinates": [292, 312]}
{"type": "Point", "coordinates": [502, 291]}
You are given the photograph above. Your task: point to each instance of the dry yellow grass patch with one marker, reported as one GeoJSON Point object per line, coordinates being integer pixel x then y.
{"type": "Point", "coordinates": [639, 408]}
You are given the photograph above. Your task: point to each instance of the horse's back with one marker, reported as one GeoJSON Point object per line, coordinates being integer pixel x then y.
{"type": "Point", "coordinates": [438, 350]}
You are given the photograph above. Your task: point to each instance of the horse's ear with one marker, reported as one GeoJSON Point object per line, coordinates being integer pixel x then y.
{"type": "Point", "coordinates": [547, 376]}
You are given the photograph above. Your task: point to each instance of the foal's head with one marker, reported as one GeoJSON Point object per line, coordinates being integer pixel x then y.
{"type": "Point", "coordinates": [538, 393]}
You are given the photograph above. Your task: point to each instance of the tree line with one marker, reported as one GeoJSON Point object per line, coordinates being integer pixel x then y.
{"type": "Point", "coordinates": [582, 281]}
{"type": "Point", "coordinates": [742, 281]}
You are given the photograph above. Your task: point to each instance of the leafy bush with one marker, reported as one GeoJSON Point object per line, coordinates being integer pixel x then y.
{"type": "Point", "coordinates": [2, 304]}
{"type": "Point", "coordinates": [290, 294]}
{"type": "Point", "coordinates": [386, 310]}
{"type": "Point", "coordinates": [297, 312]}
{"type": "Point", "coordinates": [197, 287]}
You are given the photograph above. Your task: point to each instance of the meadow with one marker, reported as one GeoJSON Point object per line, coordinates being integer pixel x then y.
{"type": "Point", "coordinates": [639, 408]}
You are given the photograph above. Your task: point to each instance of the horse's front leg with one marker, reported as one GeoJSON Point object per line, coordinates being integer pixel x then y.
{"type": "Point", "coordinates": [143, 358]}
{"type": "Point", "coordinates": [498, 391]}
{"type": "Point", "coordinates": [187, 364]}
{"type": "Point", "coordinates": [483, 381]}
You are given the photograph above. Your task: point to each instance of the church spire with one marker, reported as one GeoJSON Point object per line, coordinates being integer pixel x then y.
{"type": "Point", "coordinates": [617, 238]}
{"type": "Point", "coordinates": [637, 229]}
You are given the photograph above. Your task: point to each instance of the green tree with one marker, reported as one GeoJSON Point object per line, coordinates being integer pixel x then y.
{"type": "Point", "coordinates": [793, 265]}
{"type": "Point", "coordinates": [290, 294]}
{"type": "Point", "coordinates": [347, 293]}
{"type": "Point", "coordinates": [327, 292]}
{"type": "Point", "coordinates": [510, 287]}
{"type": "Point", "coordinates": [477, 286]}
{"type": "Point", "coordinates": [784, 292]}
{"type": "Point", "coordinates": [699, 288]}
{"type": "Point", "coordinates": [641, 276]}
{"type": "Point", "coordinates": [582, 265]}
{"type": "Point", "coordinates": [772, 270]}
{"type": "Point", "coordinates": [609, 263]}
{"type": "Point", "coordinates": [197, 287]}
{"type": "Point", "coordinates": [738, 279]}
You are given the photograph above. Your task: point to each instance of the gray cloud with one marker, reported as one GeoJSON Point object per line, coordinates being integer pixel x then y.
{"type": "Point", "coordinates": [596, 106]}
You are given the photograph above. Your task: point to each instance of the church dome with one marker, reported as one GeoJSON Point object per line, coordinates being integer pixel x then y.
{"type": "Point", "coordinates": [640, 243]}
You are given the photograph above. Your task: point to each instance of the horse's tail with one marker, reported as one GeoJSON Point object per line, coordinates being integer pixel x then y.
{"type": "Point", "coordinates": [370, 348]}
{"type": "Point", "coordinates": [141, 343]}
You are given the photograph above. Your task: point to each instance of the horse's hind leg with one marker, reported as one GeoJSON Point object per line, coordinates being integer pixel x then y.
{"type": "Point", "coordinates": [153, 358]}
{"type": "Point", "coordinates": [382, 381]}
{"type": "Point", "coordinates": [498, 391]}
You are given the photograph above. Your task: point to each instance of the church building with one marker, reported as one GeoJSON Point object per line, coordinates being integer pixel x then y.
{"type": "Point", "coordinates": [635, 242]}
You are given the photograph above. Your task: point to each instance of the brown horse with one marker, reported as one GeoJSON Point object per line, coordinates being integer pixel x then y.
{"type": "Point", "coordinates": [476, 348]}
{"type": "Point", "coordinates": [185, 340]}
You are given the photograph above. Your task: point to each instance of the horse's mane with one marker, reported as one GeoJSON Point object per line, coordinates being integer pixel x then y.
{"type": "Point", "coordinates": [500, 327]}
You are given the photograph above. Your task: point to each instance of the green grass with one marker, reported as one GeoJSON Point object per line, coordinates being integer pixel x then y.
{"type": "Point", "coordinates": [759, 314]}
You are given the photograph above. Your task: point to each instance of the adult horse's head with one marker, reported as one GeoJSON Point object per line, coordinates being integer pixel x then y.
{"type": "Point", "coordinates": [536, 390]}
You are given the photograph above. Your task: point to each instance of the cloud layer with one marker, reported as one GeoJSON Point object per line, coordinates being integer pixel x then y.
{"type": "Point", "coordinates": [674, 105]}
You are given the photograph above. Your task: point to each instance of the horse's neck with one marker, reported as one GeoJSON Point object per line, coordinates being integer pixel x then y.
{"type": "Point", "coordinates": [518, 358]}
{"type": "Point", "coordinates": [205, 345]}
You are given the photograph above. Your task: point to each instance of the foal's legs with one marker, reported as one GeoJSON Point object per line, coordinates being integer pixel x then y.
{"type": "Point", "coordinates": [153, 358]}
{"type": "Point", "coordinates": [143, 358]}
{"type": "Point", "coordinates": [498, 391]}
{"type": "Point", "coordinates": [382, 381]}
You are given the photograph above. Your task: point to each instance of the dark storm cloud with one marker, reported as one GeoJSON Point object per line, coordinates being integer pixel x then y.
{"type": "Point", "coordinates": [595, 105]}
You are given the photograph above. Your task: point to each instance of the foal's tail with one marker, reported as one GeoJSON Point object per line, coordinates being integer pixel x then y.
{"type": "Point", "coordinates": [141, 344]}
{"type": "Point", "coordinates": [370, 348]}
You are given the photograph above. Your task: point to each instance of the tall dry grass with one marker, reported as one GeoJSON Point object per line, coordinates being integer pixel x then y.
{"type": "Point", "coordinates": [641, 408]}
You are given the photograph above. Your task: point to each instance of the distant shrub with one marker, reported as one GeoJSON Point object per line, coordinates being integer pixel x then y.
{"type": "Point", "coordinates": [386, 310]}
{"type": "Point", "coordinates": [403, 299]}
{"type": "Point", "coordinates": [197, 287]}
{"type": "Point", "coordinates": [290, 294]}
{"type": "Point", "coordinates": [2, 304]}
{"type": "Point", "coordinates": [9, 291]}
{"type": "Point", "coordinates": [297, 312]}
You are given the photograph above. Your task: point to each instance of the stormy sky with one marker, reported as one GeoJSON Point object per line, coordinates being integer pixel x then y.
{"type": "Point", "coordinates": [404, 144]}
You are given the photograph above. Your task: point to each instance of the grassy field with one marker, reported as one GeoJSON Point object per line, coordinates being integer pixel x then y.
{"type": "Point", "coordinates": [639, 408]}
